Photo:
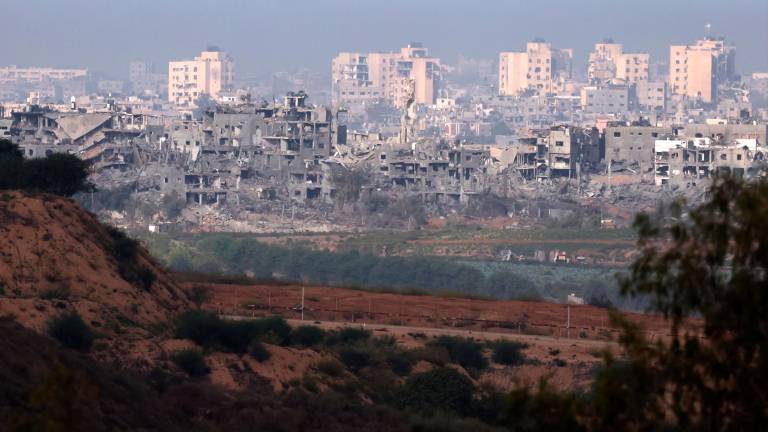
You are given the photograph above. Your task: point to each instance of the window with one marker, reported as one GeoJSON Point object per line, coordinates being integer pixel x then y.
{"type": "Point", "coordinates": [617, 134]}
{"type": "Point", "coordinates": [558, 143]}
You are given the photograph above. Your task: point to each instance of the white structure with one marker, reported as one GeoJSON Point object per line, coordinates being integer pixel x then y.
{"type": "Point", "coordinates": [210, 73]}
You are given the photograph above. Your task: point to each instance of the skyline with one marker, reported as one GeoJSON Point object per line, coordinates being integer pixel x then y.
{"type": "Point", "coordinates": [80, 34]}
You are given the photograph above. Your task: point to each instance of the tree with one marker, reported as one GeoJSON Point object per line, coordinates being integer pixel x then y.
{"type": "Point", "coordinates": [199, 294]}
{"type": "Point", "coordinates": [60, 174]}
{"type": "Point", "coordinates": [712, 263]}
{"type": "Point", "coordinates": [348, 183]}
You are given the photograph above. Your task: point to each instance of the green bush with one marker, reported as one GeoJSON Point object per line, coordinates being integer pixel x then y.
{"type": "Point", "coordinates": [354, 358]}
{"type": "Point", "coordinates": [330, 367]}
{"type": "Point", "coordinates": [60, 293]}
{"type": "Point", "coordinates": [441, 389]}
{"type": "Point", "coordinates": [192, 362]}
{"type": "Point", "coordinates": [60, 174]}
{"type": "Point", "coordinates": [348, 335]}
{"type": "Point", "coordinates": [211, 332]}
{"type": "Point", "coordinates": [71, 331]}
{"type": "Point", "coordinates": [437, 355]}
{"type": "Point", "coordinates": [307, 335]}
{"type": "Point", "coordinates": [259, 352]}
{"type": "Point", "coordinates": [462, 351]}
{"type": "Point", "coordinates": [508, 352]}
{"type": "Point", "coordinates": [399, 364]}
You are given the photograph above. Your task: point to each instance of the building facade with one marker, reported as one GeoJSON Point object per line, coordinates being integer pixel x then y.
{"type": "Point", "coordinates": [208, 74]}
{"type": "Point", "coordinates": [696, 70]}
{"type": "Point", "coordinates": [13, 74]}
{"type": "Point", "coordinates": [539, 68]}
{"type": "Point", "coordinates": [368, 77]}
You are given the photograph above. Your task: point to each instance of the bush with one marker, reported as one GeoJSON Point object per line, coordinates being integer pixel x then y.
{"type": "Point", "coordinates": [60, 293]}
{"type": "Point", "coordinates": [211, 332]}
{"type": "Point", "coordinates": [259, 352]}
{"type": "Point", "coordinates": [192, 362]}
{"type": "Point", "coordinates": [71, 331]}
{"type": "Point", "coordinates": [437, 355]}
{"type": "Point", "coordinates": [508, 352]}
{"type": "Point", "coordinates": [441, 389]}
{"type": "Point", "coordinates": [199, 294]}
{"type": "Point", "coordinates": [307, 335]}
{"type": "Point", "coordinates": [348, 335]}
{"type": "Point", "coordinates": [462, 351]}
{"type": "Point", "coordinates": [330, 367]}
{"type": "Point", "coordinates": [60, 174]}
{"type": "Point", "coordinates": [400, 364]}
{"type": "Point", "coordinates": [355, 359]}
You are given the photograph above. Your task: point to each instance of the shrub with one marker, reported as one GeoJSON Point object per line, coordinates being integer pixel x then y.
{"type": "Point", "coordinates": [508, 353]}
{"type": "Point", "coordinates": [192, 362]}
{"type": "Point", "coordinates": [71, 331]}
{"type": "Point", "coordinates": [201, 327]}
{"type": "Point", "coordinates": [355, 359]}
{"type": "Point", "coordinates": [441, 389]}
{"type": "Point", "coordinates": [348, 335]}
{"type": "Point", "coordinates": [259, 352]}
{"type": "Point", "coordinates": [209, 331]}
{"type": "Point", "coordinates": [199, 294]}
{"type": "Point", "coordinates": [272, 329]}
{"type": "Point", "coordinates": [60, 293]}
{"type": "Point", "coordinates": [60, 174]}
{"type": "Point", "coordinates": [307, 335]}
{"type": "Point", "coordinates": [462, 351]}
{"type": "Point", "coordinates": [400, 364]}
{"type": "Point", "coordinates": [330, 367]}
{"type": "Point", "coordinates": [436, 355]}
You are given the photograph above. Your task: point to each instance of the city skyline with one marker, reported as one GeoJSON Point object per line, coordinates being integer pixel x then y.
{"type": "Point", "coordinates": [250, 35]}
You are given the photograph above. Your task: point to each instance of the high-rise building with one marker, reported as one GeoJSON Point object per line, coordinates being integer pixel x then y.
{"type": "Point", "coordinates": [368, 77]}
{"type": "Point", "coordinates": [208, 74]}
{"type": "Point", "coordinates": [696, 70]}
{"type": "Point", "coordinates": [540, 68]}
{"type": "Point", "coordinates": [608, 62]}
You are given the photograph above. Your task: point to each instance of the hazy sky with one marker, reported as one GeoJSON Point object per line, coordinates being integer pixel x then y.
{"type": "Point", "coordinates": [265, 35]}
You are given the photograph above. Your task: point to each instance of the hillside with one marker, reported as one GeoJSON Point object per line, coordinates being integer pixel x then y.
{"type": "Point", "coordinates": [56, 256]}
{"type": "Point", "coordinates": [46, 387]}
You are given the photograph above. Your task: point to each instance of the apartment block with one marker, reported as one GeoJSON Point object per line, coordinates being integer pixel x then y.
{"type": "Point", "coordinates": [540, 68]}
{"type": "Point", "coordinates": [696, 70]}
{"type": "Point", "coordinates": [608, 62]}
{"type": "Point", "coordinates": [651, 95]}
{"type": "Point", "coordinates": [605, 99]}
{"type": "Point", "coordinates": [209, 73]}
{"type": "Point", "coordinates": [13, 74]}
{"type": "Point", "coordinates": [359, 78]}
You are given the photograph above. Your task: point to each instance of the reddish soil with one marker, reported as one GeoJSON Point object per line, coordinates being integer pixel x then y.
{"type": "Point", "coordinates": [348, 305]}
{"type": "Point", "coordinates": [54, 256]}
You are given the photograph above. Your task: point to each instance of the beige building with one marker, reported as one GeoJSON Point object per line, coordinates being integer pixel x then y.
{"type": "Point", "coordinates": [368, 77]}
{"type": "Point", "coordinates": [696, 70]}
{"type": "Point", "coordinates": [209, 73]}
{"type": "Point", "coordinates": [13, 74]}
{"type": "Point", "coordinates": [540, 68]}
{"type": "Point", "coordinates": [608, 62]}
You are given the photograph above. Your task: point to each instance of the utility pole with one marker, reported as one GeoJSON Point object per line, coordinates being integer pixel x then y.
{"type": "Point", "coordinates": [302, 303]}
{"type": "Point", "coordinates": [568, 323]}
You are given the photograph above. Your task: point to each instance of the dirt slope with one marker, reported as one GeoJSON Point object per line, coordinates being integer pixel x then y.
{"type": "Point", "coordinates": [55, 256]}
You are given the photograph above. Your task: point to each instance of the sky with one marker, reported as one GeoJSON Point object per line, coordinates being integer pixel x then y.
{"type": "Point", "coordinates": [265, 36]}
